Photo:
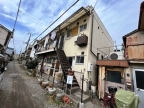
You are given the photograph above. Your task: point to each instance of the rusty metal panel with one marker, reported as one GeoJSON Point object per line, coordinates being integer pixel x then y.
{"type": "Point", "coordinates": [119, 63]}
{"type": "Point", "coordinates": [136, 52]}
{"type": "Point", "coordinates": [135, 39]}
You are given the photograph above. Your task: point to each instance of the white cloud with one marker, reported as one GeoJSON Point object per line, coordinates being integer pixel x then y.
{"type": "Point", "coordinates": [35, 16]}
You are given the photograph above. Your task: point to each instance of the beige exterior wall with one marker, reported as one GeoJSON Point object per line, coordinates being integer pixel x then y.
{"type": "Point", "coordinates": [3, 35]}
{"type": "Point", "coordinates": [101, 37]}
{"type": "Point", "coordinates": [71, 49]}
{"type": "Point", "coordinates": [99, 40]}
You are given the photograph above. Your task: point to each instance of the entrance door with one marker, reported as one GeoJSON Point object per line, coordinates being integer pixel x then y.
{"type": "Point", "coordinates": [139, 85]}
{"type": "Point", "coordinates": [61, 42]}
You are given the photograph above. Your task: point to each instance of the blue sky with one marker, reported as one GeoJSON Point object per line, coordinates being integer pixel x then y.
{"type": "Point", "coordinates": [118, 16]}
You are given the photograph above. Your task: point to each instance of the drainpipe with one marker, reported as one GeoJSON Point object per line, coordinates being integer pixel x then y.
{"type": "Point", "coordinates": [92, 36]}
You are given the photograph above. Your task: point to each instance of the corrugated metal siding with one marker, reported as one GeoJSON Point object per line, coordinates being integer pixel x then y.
{"type": "Point", "coordinates": [136, 52]}
{"type": "Point", "coordinates": [119, 63]}
{"type": "Point", "coordinates": [135, 46]}
{"type": "Point", "coordinates": [135, 40]}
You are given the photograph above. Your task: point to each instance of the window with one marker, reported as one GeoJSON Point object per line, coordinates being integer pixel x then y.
{"type": "Point", "coordinates": [68, 33]}
{"type": "Point", "coordinates": [83, 27]}
{"type": "Point", "coordinates": [80, 59]}
{"type": "Point", "coordinates": [113, 76]}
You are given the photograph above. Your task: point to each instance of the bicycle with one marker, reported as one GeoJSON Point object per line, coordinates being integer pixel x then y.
{"type": "Point", "coordinates": [109, 98]}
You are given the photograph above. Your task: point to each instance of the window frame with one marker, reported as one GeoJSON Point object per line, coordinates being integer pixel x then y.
{"type": "Point", "coordinates": [69, 34]}
{"type": "Point", "coordinates": [79, 60]}
{"type": "Point", "coordinates": [83, 27]}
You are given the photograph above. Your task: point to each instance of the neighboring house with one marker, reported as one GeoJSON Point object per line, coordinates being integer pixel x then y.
{"type": "Point", "coordinates": [129, 72]}
{"type": "Point", "coordinates": [16, 56]}
{"type": "Point", "coordinates": [5, 36]}
{"type": "Point", "coordinates": [33, 51]}
{"type": "Point", "coordinates": [134, 53]}
{"type": "Point", "coordinates": [74, 43]}
{"type": "Point", "coordinates": [28, 51]}
{"type": "Point", "coordinates": [10, 52]}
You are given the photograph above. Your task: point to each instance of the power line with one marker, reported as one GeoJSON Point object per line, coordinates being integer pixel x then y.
{"type": "Point", "coordinates": [95, 3]}
{"type": "Point", "coordinates": [33, 19]}
{"type": "Point", "coordinates": [85, 3]}
{"type": "Point", "coordinates": [56, 20]}
{"type": "Point", "coordinates": [40, 17]}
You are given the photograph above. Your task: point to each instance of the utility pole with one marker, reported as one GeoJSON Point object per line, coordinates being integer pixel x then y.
{"type": "Point", "coordinates": [115, 45]}
{"type": "Point", "coordinates": [27, 44]}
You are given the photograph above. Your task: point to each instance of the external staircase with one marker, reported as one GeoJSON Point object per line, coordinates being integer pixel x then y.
{"type": "Point", "coordinates": [65, 66]}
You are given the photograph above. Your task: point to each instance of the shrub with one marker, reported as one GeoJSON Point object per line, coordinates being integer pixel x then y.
{"type": "Point", "coordinates": [32, 64]}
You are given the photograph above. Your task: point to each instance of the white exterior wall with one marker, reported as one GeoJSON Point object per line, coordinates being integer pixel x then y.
{"type": "Point", "coordinates": [9, 51]}
{"type": "Point", "coordinates": [101, 37]}
{"type": "Point", "coordinates": [3, 35]}
{"type": "Point", "coordinates": [99, 40]}
{"type": "Point", "coordinates": [32, 54]}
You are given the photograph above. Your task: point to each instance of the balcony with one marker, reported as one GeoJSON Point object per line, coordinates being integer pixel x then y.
{"type": "Point", "coordinates": [82, 41]}
{"type": "Point", "coordinates": [49, 47]}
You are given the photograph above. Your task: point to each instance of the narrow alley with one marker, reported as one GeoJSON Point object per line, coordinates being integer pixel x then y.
{"type": "Point", "coordinates": [19, 91]}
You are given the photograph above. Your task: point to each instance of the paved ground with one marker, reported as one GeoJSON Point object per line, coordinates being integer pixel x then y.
{"type": "Point", "coordinates": [20, 91]}
{"type": "Point", "coordinates": [17, 90]}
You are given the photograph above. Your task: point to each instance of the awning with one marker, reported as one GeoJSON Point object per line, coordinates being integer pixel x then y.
{"type": "Point", "coordinates": [42, 52]}
{"type": "Point", "coordinates": [118, 63]}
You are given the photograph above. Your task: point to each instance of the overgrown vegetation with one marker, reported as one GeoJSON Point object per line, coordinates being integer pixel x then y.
{"type": "Point", "coordinates": [32, 64]}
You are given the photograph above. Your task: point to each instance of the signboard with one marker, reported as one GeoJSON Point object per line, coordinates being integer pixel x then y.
{"type": "Point", "coordinates": [69, 79]}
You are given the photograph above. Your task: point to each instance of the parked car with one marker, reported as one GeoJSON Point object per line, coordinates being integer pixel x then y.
{"type": "Point", "coordinates": [2, 66]}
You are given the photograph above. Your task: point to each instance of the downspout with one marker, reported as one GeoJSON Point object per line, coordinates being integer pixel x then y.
{"type": "Point", "coordinates": [97, 77]}
{"type": "Point", "coordinates": [97, 67]}
{"type": "Point", "coordinates": [92, 35]}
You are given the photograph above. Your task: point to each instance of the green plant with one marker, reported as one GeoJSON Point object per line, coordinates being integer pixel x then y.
{"type": "Point", "coordinates": [32, 64]}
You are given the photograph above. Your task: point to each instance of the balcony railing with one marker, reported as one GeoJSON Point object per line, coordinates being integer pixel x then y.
{"type": "Point", "coordinates": [49, 45]}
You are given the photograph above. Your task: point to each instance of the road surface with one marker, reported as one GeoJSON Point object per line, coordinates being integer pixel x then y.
{"type": "Point", "coordinates": [17, 90]}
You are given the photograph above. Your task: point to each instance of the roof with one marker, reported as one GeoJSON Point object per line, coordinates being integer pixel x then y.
{"type": "Point", "coordinates": [116, 63]}
{"type": "Point", "coordinates": [10, 48]}
{"type": "Point", "coordinates": [140, 24]}
{"type": "Point", "coordinates": [141, 17]}
{"type": "Point", "coordinates": [4, 28]}
{"type": "Point", "coordinates": [127, 35]}
{"type": "Point", "coordinates": [75, 16]}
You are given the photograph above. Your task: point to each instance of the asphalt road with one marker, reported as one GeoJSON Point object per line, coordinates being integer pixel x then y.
{"type": "Point", "coordinates": [17, 90]}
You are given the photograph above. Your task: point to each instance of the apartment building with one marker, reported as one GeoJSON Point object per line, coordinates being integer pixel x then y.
{"type": "Point", "coordinates": [74, 44]}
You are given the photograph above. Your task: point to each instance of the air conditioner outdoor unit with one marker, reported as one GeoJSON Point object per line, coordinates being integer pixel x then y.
{"type": "Point", "coordinates": [116, 55]}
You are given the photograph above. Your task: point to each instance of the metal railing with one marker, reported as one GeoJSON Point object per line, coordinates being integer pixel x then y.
{"type": "Point", "coordinates": [104, 51]}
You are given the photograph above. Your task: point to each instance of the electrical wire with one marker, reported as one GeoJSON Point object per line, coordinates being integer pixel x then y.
{"type": "Point", "coordinates": [30, 17]}
{"type": "Point", "coordinates": [85, 3]}
{"type": "Point", "coordinates": [40, 18]}
{"type": "Point", "coordinates": [55, 21]}
{"type": "Point", "coordinates": [95, 3]}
